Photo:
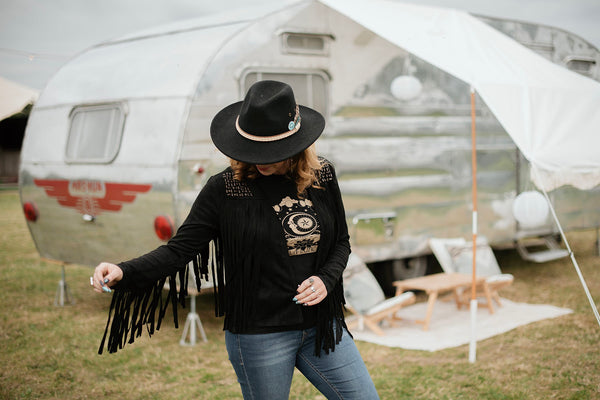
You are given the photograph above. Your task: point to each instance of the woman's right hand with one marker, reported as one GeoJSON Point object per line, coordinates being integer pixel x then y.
{"type": "Point", "coordinates": [105, 276]}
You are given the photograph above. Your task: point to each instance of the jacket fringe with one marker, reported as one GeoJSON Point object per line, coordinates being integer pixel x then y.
{"type": "Point", "coordinates": [330, 321]}
{"type": "Point", "coordinates": [330, 313]}
{"type": "Point", "coordinates": [130, 310]}
{"type": "Point", "coordinates": [236, 298]}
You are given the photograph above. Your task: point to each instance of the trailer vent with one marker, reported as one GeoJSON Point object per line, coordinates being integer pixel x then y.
{"type": "Point", "coordinates": [305, 43]}
{"type": "Point", "coordinates": [583, 65]}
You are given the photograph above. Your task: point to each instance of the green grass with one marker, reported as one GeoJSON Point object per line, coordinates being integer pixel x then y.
{"type": "Point", "coordinates": [49, 352]}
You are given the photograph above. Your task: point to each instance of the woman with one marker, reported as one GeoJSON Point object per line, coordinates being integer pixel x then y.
{"type": "Point", "coordinates": [272, 228]}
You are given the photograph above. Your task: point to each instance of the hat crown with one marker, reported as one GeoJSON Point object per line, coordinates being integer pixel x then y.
{"type": "Point", "coordinates": [267, 126]}
{"type": "Point", "coordinates": [268, 108]}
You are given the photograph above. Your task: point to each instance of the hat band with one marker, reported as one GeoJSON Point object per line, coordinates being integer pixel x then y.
{"type": "Point", "coordinates": [293, 125]}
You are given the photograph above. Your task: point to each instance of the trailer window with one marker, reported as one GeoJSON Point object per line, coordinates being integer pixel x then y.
{"type": "Point", "coordinates": [95, 133]}
{"type": "Point", "coordinates": [310, 89]}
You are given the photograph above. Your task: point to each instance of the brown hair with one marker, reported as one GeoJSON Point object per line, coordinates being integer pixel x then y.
{"type": "Point", "coordinates": [302, 168]}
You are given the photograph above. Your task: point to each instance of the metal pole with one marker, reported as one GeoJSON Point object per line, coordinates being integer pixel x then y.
{"type": "Point", "coordinates": [571, 255]}
{"type": "Point", "coordinates": [473, 343]}
{"type": "Point", "coordinates": [63, 294]}
{"type": "Point", "coordinates": [191, 324]}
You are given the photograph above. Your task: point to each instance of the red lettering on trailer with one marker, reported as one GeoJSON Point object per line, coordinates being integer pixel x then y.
{"type": "Point", "coordinates": [91, 197]}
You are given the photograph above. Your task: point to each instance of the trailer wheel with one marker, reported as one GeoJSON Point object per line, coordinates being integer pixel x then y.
{"type": "Point", "coordinates": [409, 268]}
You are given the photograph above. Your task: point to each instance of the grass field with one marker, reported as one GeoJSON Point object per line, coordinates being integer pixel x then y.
{"type": "Point", "coordinates": [50, 352]}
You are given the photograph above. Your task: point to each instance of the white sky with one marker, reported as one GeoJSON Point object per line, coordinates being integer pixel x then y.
{"type": "Point", "coordinates": [38, 36]}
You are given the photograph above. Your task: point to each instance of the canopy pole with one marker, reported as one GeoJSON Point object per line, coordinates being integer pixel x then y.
{"type": "Point", "coordinates": [571, 255]}
{"type": "Point", "coordinates": [473, 343]}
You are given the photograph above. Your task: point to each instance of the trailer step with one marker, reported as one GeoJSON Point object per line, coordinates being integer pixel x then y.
{"type": "Point", "coordinates": [552, 252]}
{"type": "Point", "coordinates": [545, 256]}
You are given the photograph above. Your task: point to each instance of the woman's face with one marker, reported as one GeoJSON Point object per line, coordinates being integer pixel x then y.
{"type": "Point", "coordinates": [279, 168]}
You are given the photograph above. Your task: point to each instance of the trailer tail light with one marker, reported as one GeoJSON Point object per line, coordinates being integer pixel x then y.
{"type": "Point", "coordinates": [164, 227]}
{"type": "Point", "coordinates": [198, 169]}
{"type": "Point", "coordinates": [31, 211]}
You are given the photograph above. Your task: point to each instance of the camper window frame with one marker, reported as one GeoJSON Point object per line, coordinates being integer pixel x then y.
{"type": "Point", "coordinates": [290, 71]}
{"type": "Point", "coordinates": [116, 131]}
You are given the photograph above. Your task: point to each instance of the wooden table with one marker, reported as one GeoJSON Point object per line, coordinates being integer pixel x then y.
{"type": "Point", "coordinates": [436, 284]}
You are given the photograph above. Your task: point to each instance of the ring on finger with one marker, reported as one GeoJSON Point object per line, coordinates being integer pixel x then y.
{"type": "Point", "coordinates": [313, 289]}
{"type": "Point", "coordinates": [311, 280]}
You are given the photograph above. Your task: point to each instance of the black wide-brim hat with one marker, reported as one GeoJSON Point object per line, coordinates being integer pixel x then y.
{"type": "Point", "coordinates": [267, 127]}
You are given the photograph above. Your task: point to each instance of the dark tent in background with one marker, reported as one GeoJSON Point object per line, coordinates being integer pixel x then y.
{"type": "Point", "coordinates": [15, 104]}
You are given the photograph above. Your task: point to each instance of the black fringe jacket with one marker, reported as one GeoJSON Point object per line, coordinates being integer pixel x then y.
{"type": "Point", "coordinates": [224, 232]}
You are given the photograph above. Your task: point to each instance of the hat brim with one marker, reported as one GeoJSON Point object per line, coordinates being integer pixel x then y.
{"type": "Point", "coordinates": [229, 141]}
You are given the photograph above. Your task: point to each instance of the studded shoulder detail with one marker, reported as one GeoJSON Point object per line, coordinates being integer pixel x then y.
{"type": "Point", "coordinates": [235, 188]}
{"type": "Point", "coordinates": [325, 173]}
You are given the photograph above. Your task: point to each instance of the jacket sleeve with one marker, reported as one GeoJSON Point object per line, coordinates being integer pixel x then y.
{"type": "Point", "coordinates": [331, 271]}
{"type": "Point", "coordinates": [200, 226]}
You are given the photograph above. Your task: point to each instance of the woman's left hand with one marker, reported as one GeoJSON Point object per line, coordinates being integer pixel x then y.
{"type": "Point", "coordinates": [311, 292]}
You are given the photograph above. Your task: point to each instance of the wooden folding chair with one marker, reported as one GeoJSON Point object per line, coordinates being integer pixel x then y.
{"type": "Point", "coordinates": [366, 300]}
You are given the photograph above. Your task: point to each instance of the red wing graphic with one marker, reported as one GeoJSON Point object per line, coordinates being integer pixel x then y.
{"type": "Point", "coordinates": [91, 197]}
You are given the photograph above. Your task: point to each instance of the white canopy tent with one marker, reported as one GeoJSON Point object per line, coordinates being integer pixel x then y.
{"type": "Point", "coordinates": [550, 112]}
{"type": "Point", "coordinates": [14, 98]}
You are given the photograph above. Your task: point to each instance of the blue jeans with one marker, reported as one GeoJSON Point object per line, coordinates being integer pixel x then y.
{"type": "Point", "coordinates": [264, 365]}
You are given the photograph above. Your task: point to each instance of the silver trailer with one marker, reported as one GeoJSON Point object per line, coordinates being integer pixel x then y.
{"type": "Point", "coordinates": [117, 146]}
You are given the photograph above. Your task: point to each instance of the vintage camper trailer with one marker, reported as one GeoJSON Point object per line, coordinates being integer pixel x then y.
{"type": "Point", "coordinates": [117, 146]}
